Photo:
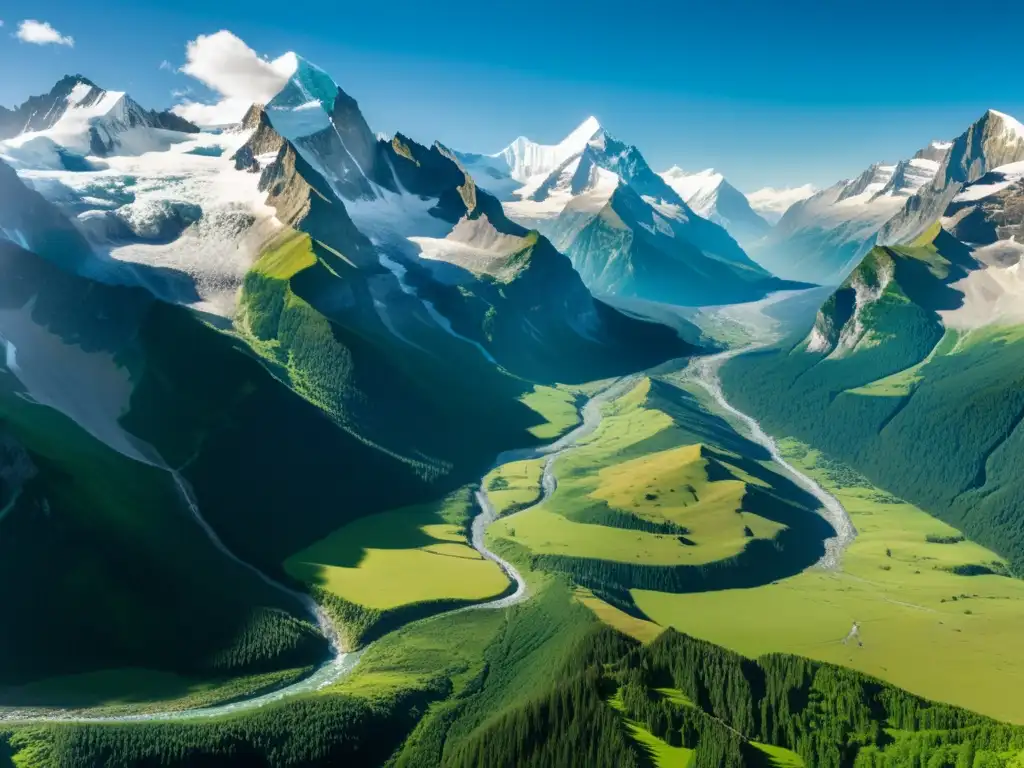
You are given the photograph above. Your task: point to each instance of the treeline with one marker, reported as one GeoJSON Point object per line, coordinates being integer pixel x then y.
{"type": "Point", "coordinates": [831, 717]}
{"type": "Point", "coordinates": [572, 710]}
{"type": "Point", "coordinates": [570, 727]}
{"type": "Point", "coordinates": [602, 514]}
{"type": "Point", "coordinates": [362, 625]}
{"type": "Point", "coordinates": [271, 640]}
{"type": "Point", "coordinates": [326, 730]}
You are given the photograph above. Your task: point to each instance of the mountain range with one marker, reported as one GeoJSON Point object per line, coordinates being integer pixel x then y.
{"type": "Point", "coordinates": [165, 286]}
{"type": "Point", "coordinates": [628, 232]}
{"type": "Point", "coordinates": [255, 380]}
{"type": "Point", "coordinates": [711, 196]}
{"type": "Point", "coordinates": [917, 346]}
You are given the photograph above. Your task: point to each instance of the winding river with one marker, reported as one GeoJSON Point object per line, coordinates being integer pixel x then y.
{"type": "Point", "coordinates": [702, 370]}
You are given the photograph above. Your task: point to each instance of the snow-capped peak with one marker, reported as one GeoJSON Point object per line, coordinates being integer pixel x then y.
{"type": "Point", "coordinates": [527, 159]}
{"type": "Point", "coordinates": [576, 140]}
{"type": "Point", "coordinates": [697, 189]}
{"type": "Point", "coordinates": [1010, 124]}
{"type": "Point", "coordinates": [303, 105]}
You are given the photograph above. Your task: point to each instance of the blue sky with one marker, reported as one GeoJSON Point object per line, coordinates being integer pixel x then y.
{"type": "Point", "coordinates": [768, 93]}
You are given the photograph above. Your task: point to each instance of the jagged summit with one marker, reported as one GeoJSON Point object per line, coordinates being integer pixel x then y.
{"type": "Point", "coordinates": [527, 159]}
{"type": "Point", "coordinates": [78, 118]}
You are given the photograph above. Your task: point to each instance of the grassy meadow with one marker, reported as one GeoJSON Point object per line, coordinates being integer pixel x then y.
{"type": "Point", "coordinates": [925, 628]}
{"type": "Point", "coordinates": [411, 555]}
{"type": "Point", "coordinates": [641, 490]}
{"type": "Point", "coordinates": [515, 485]}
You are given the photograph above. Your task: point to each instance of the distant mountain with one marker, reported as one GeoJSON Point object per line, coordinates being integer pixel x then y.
{"type": "Point", "coordinates": [523, 160]}
{"type": "Point", "coordinates": [771, 203]}
{"type": "Point", "coordinates": [714, 198]}
{"type": "Point", "coordinates": [78, 118]}
{"type": "Point", "coordinates": [628, 232]}
{"type": "Point", "coordinates": [821, 238]}
{"type": "Point", "coordinates": [920, 346]}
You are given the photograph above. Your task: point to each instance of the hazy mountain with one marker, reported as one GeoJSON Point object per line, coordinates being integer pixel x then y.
{"type": "Point", "coordinates": [771, 203]}
{"type": "Point", "coordinates": [821, 238]}
{"type": "Point", "coordinates": [522, 160]}
{"type": "Point", "coordinates": [714, 198]}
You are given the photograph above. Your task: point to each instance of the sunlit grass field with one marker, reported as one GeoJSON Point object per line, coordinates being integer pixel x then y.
{"type": "Point", "coordinates": [938, 634]}
{"type": "Point", "coordinates": [404, 556]}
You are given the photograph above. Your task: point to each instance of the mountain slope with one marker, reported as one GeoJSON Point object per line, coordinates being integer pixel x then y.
{"type": "Point", "coordinates": [994, 140]}
{"type": "Point", "coordinates": [918, 348]}
{"type": "Point", "coordinates": [315, 369]}
{"type": "Point", "coordinates": [79, 559]}
{"type": "Point", "coordinates": [714, 198]}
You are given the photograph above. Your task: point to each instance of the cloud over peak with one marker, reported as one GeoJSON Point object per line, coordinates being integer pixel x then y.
{"type": "Point", "coordinates": [234, 71]}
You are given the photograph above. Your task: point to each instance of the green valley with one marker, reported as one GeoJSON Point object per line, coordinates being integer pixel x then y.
{"type": "Point", "coordinates": [327, 446]}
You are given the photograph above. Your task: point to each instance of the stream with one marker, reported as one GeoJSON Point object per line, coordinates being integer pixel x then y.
{"type": "Point", "coordinates": [703, 370]}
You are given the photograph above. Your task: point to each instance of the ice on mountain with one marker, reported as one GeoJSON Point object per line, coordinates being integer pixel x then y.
{"type": "Point", "coordinates": [297, 122]}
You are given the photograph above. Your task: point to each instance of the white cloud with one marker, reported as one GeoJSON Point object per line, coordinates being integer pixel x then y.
{"type": "Point", "coordinates": [224, 112]}
{"type": "Point", "coordinates": [225, 64]}
{"type": "Point", "coordinates": [165, 64]}
{"type": "Point", "coordinates": [42, 33]}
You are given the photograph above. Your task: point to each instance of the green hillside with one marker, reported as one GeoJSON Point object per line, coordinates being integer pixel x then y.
{"type": "Point", "coordinates": [930, 415]}
{"type": "Point", "coordinates": [549, 687]}
{"type": "Point", "coordinates": [666, 496]}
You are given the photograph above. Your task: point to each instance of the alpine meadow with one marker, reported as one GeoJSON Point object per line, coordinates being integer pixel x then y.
{"type": "Point", "coordinates": [331, 436]}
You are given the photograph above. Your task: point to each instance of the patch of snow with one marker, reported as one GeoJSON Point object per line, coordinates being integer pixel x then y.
{"type": "Point", "coordinates": [995, 181]}
{"type": "Point", "coordinates": [88, 387]}
{"type": "Point", "coordinates": [699, 190]}
{"type": "Point", "coordinates": [400, 272]}
{"type": "Point", "coordinates": [15, 236]}
{"type": "Point", "coordinates": [660, 226]}
{"type": "Point", "coordinates": [211, 256]}
{"type": "Point", "coordinates": [473, 244]}
{"type": "Point", "coordinates": [588, 193]}
{"type": "Point", "coordinates": [1011, 126]}
{"type": "Point", "coordinates": [79, 93]}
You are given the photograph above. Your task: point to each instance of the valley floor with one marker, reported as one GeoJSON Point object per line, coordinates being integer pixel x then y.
{"type": "Point", "coordinates": [925, 628]}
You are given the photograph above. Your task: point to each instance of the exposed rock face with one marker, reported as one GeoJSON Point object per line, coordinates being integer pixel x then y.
{"type": "Point", "coordinates": [172, 122]}
{"type": "Point", "coordinates": [992, 141]}
{"type": "Point", "coordinates": [989, 219]}
{"type": "Point", "coordinates": [301, 196]}
{"type": "Point", "coordinates": [41, 112]}
{"type": "Point", "coordinates": [937, 151]}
